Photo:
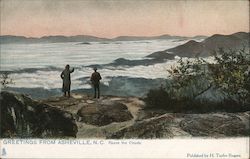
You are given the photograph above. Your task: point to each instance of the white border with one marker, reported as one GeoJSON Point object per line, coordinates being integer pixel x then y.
{"type": "Point", "coordinates": [101, 148]}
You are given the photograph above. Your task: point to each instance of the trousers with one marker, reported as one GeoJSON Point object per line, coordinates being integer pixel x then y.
{"type": "Point", "coordinates": [97, 90]}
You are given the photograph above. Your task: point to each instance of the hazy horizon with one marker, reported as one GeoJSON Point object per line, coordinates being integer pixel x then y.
{"type": "Point", "coordinates": [115, 36]}
{"type": "Point", "coordinates": [110, 18]}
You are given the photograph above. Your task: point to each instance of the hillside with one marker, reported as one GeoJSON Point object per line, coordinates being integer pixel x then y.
{"type": "Point", "coordinates": [206, 47]}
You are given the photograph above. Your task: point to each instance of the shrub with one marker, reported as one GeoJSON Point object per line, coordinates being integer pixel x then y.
{"type": "Point", "coordinates": [5, 79]}
{"type": "Point", "coordinates": [191, 78]}
{"type": "Point", "coordinates": [159, 98]}
{"type": "Point", "coordinates": [230, 74]}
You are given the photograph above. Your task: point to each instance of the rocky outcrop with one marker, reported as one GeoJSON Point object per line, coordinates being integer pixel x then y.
{"type": "Point", "coordinates": [23, 117]}
{"type": "Point", "coordinates": [86, 102]}
{"type": "Point", "coordinates": [151, 124]}
{"type": "Point", "coordinates": [217, 125]}
{"type": "Point", "coordinates": [110, 117]}
{"type": "Point", "coordinates": [104, 113]}
{"type": "Point", "coordinates": [158, 127]}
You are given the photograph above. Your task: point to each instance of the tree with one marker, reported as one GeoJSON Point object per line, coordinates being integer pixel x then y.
{"type": "Point", "coordinates": [190, 78]}
{"type": "Point", "coordinates": [5, 79]}
{"type": "Point", "coordinates": [229, 73]}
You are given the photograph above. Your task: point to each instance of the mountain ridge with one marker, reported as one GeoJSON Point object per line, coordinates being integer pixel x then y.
{"type": "Point", "coordinates": [206, 47]}
{"type": "Point", "coordinates": [82, 38]}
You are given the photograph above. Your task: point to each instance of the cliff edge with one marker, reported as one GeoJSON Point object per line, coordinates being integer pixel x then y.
{"type": "Point", "coordinates": [111, 117]}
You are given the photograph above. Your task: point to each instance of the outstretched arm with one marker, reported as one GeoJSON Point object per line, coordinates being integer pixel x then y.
{"type": "Point", "coordinates": [72, 70]}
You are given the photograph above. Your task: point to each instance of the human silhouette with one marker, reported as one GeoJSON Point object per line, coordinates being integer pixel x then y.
{"type": "Point", "coordinates": [95, 79]}
{"type": "Point", "coordinates": [65, 75]}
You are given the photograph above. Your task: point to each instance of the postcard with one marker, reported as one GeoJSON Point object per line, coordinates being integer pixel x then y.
{"type": "Point", "coordinates": [124, 79]}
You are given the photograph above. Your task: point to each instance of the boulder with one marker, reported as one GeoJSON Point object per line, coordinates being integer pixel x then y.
{"type": "Point", "coordinates": [217, 125]}
{"type": "Point", "coordinates": [158, 127]}
{"type": "Point", "coordinates": [172, 125]}
{"type": "Point", "coordinates": [23, 117]}
{"type": "Point", "coordinates": [104, 113]}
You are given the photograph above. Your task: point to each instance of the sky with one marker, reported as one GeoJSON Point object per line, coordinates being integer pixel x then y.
{"type": "Point", "coordinates": [112, 18]}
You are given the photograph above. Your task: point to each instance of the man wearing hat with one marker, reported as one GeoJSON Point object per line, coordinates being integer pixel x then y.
{"type": "Point", "coordinates": [95, 79]}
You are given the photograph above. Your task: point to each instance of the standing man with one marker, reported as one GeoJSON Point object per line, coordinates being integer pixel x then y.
{"type": "Point", "coordinates": [95, 79]}
{"type": "Point", "coordinates": [65, 75]}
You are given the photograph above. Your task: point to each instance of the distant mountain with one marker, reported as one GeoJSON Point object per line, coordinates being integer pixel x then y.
{"type": "Point", "coordinates": [78, 38]}
{"type": "Point", "coordinates": [82, 38]}
{"type": "Point", "coordinates": [49, 39]}
{"type": "Point", "coordinates": [207, 46]}
{"type": "Point", "coordinates": [199, 37]}
{"type": "Point", "coordinates": [15, 39]}
{"type": "Point", "coordinates": [135, 38]}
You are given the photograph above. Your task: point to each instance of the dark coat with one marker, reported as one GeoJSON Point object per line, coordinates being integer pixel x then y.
{"type": "Point", "coordinates": [95, 78]}
{"type": "Point", "coordinates": [65, 75]}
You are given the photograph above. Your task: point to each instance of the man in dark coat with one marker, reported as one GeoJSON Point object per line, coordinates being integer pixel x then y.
{"type": "Point", "coordinates": [65, 75]}
{"type": "Point", "coordinates": [95, 79]}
